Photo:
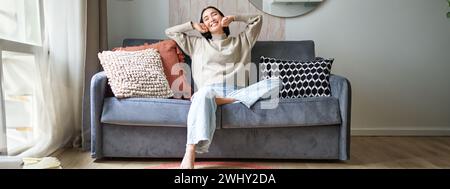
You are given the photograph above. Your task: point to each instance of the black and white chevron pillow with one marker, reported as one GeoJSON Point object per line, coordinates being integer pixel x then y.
{"type": "Point", "coordinates": [300, 79]}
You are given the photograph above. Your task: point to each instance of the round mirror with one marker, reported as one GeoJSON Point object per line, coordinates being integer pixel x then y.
{"type": "Point", "coordinates": [286, 8]}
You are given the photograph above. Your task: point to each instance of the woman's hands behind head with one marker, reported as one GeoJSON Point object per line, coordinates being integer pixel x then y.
{"type": "Point", "coordinates": [200, 27]}
{"type": "Point", "coordinates": [226, 21]}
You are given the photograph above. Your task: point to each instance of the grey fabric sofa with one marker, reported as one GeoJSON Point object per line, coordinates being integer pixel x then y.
{"type": "Point", "coordinates": [309, 128]}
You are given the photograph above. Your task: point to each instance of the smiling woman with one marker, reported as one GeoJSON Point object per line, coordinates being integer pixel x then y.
{"type": "Point", "coordinates": [217, 59]}
{"type": "Point", "coordinates": [213, 21]}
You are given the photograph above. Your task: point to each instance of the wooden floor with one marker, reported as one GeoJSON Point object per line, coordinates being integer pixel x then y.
{"type": "Point", "coordinates": [366, 152]}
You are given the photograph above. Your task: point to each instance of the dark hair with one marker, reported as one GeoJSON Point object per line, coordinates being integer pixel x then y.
{"type": "Point", "coordinates": [208, 35]}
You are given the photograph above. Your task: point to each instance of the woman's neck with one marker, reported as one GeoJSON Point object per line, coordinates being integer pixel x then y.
{"type": "Point", "coordinates": [218, 36]}
{"type": "Point", "coordinates": [219, 32]}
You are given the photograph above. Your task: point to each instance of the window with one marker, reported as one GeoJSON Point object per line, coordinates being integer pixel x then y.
{"type": "Point", "coordinates": [20, 21]}
{"type": "Point", "coordinates": [21, 31]}
{"type": "Point", "coordinates": [18, 72]}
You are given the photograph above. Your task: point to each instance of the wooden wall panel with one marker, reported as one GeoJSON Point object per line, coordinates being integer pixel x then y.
{"type": "Point", "coordinates": [243, 7]}
{"type": "Point", "coordinates": [181, 11]}
{"type": "Point", "coordinates": [229, 7]}
{"type": "Point", "coordinates": [198, 5]}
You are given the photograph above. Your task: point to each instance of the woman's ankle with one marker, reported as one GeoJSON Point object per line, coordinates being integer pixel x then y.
{"type": "Point", "coordinates": [190, 148]}
{"type": "Point", "coordinates": [189, 158]}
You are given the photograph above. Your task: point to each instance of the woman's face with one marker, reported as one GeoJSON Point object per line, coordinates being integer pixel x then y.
{"type": "Point", "coordinates": [213, 21]}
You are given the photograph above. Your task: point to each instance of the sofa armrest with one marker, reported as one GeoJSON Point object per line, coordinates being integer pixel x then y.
{"type": "Point", "coordinates": [98, 88]}
{"type": "Point", "coordinates": [341, 89]}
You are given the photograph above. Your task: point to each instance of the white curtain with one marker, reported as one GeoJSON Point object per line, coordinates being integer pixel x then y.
{"type": "Point", "coordinates": [58, 91]}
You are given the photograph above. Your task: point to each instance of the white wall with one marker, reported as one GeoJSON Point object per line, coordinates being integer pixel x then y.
{"type": "Point", "coordinates": [396, 53]}
{"type": "Point", "coordinates": [136, 19]}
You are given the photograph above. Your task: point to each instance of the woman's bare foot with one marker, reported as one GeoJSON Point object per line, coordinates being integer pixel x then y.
{"type": "Point", "coordinates": [222, 101]}
{"type": "Point", "coordinates": [189, 158]}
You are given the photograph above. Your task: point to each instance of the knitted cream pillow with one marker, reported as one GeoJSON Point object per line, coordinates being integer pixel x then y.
{"type": "Point", "coordinates": [135, 73]}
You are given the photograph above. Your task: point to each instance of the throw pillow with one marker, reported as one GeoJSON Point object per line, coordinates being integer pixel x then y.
{"type": "Point", "coordinates": [135, 73]}
{"type": "Point", "coordinates": [300, 79]}
{"type": "Point", "coordinates": [173, 59]}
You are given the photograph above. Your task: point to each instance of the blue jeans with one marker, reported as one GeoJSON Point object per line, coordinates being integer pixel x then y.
{"type": "Point", "coordinates": [201, 121]}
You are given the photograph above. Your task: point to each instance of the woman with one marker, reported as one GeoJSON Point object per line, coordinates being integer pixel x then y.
{"type": "Point", "coordinates": [216, 60]}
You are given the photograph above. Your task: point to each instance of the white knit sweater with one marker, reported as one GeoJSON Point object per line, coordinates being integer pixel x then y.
{"type": "Point", "coordinates": [219, 60]}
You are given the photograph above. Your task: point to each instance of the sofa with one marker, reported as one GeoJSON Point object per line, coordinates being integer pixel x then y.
{"type": "Point", "coordinates": [302, 128]}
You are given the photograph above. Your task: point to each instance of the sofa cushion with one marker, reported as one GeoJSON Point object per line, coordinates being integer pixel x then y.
{"type": "Point", "coordinates": [289, 113]}
{"type": "Point", "coordinates": [135, 74]}
{"type": "Point", "coordinates": [291, 50]}
{"type": "Point", "coordinates": [301, 79]}
{"type": "Point", "coordinates": [148, 112]}
{"type": "Point", "coordinates": [173, 63]}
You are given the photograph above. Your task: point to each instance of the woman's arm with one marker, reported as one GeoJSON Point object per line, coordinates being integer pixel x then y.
{"type": "Point", "coordinates": [185, 42]}
{"type": "Point", "coordinates": [253, 28]}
